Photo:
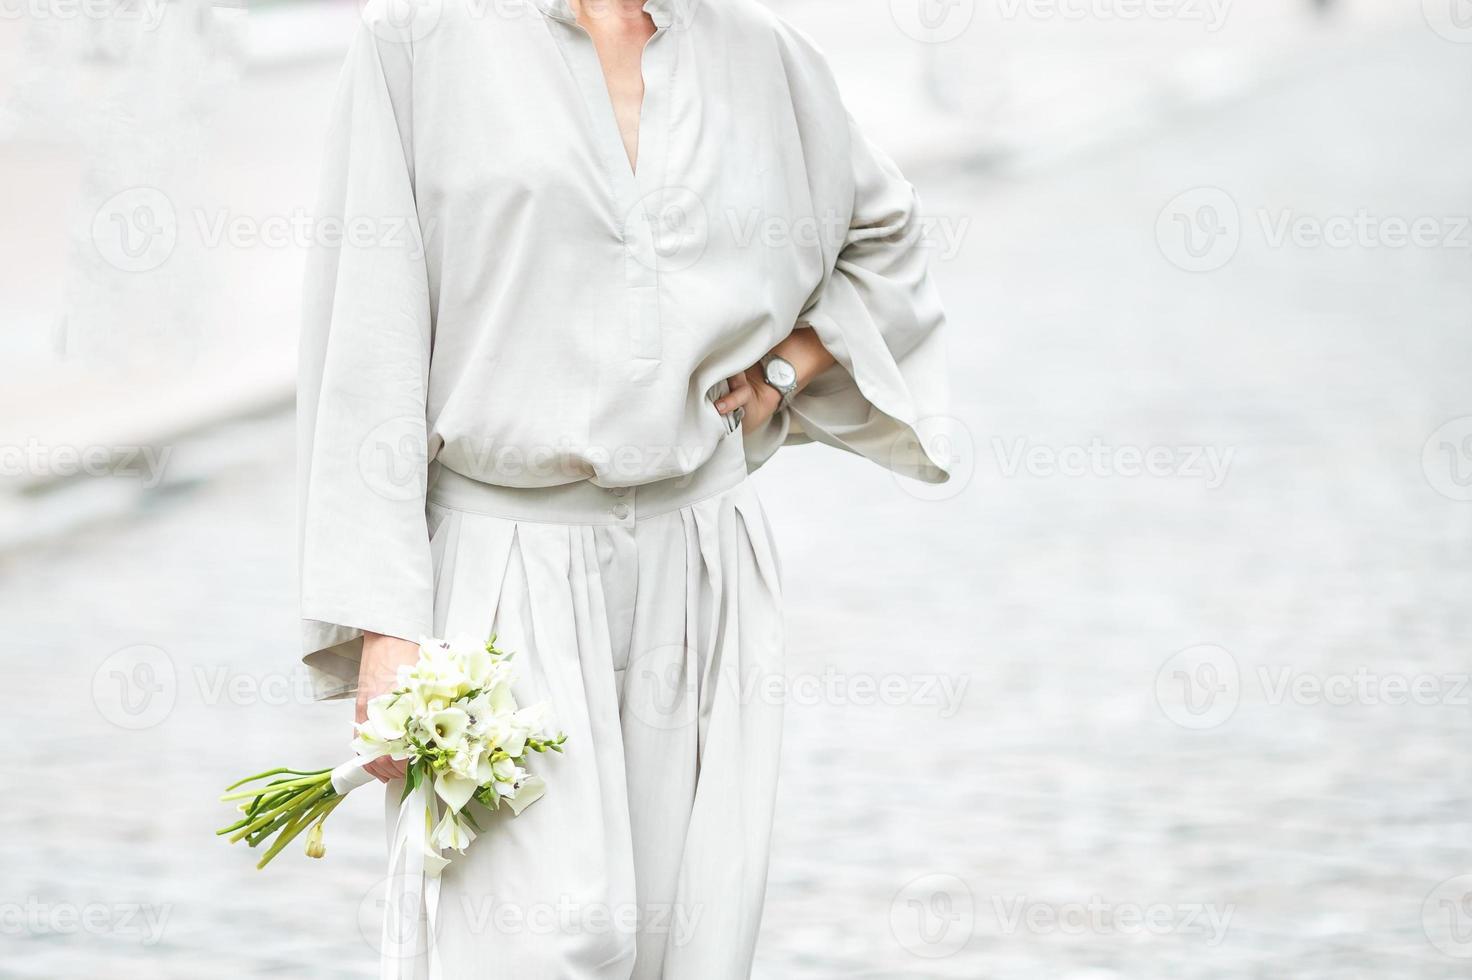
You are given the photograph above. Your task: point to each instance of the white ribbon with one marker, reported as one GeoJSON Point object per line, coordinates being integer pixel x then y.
{"type": "Point", "coordinates": [350, 775]}
{"type": "Point", "coordinates": [413, 880]}
{"type": "Point", "coordinates": [413, 890]}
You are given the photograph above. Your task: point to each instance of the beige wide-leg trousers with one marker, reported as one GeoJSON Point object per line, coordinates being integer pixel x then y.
{"type": "Point", "coordinates": [650, 618]}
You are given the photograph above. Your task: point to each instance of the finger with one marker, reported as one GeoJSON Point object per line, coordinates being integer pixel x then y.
{"type": "Point", "coordinates": [736, 399]}
{"type": "Point", "coordinates": [738, 381]}
{"type": "Point", "coordinates": [385, 769]}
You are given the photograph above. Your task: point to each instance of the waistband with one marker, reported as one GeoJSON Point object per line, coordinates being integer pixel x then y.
{"type": "Point", "coordinates": [585, 502]}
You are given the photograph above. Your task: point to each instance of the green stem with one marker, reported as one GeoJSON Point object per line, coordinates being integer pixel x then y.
{"type": "Point", "coordinates": [284, 814]}
{"type": "Point", "coordinates": [277, 787]}
{"type": "Point", "coordinates": [288, 805]}
{"type": "Point", "coordinates": [294, 828]}
{"type": "Point", "coordinates": [277, 772]}
{"type": "Point", "coordinates": [300, 805]}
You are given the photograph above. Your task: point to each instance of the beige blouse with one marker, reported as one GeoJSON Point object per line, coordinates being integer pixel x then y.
{"type": "Point", "coordinates": [501, 294]}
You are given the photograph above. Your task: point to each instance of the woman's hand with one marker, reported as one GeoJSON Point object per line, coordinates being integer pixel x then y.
{"type": "Point", "coordinates": [759, 400]}
{"type": "Point", "coordinates": [377, 673]}
{"type": "Point", "coordinates": [750, 392]}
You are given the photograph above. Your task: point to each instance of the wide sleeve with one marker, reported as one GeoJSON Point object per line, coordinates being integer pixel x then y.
{"type": "Point", "coordinates": [364, 365]}
{"type": "Point", "coordinates": [878, 313]}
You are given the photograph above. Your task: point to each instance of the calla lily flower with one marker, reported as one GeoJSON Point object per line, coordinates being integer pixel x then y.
{"type": "Point", "coordinates": [389, 717]}
{"type": "Point", "coordinates": [452, 833]}
{"type": "Point", "coordinates": [531, 791]}
{"type": "Point", "coordinates": [454, 789]}
{"type": "Point", "coordinates": [447, 727]}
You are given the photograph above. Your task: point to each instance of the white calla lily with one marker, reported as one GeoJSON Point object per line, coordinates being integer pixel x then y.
{"type": "Point", "coordinates": [455, 789]}
{"type": "Point", "coordinates": [503, 702]}
{"type": "Point", "coordinates": [452, 833]}
{"type": "Point", "coordinates": [447, 727]}
{"type": "Point", "coordinates": [532, 788]}
{"type": "Point", "coordinates": [388, 715]}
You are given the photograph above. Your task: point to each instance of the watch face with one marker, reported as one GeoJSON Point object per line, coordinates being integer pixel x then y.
{"type": "Point", "coordinates": [780, 373]}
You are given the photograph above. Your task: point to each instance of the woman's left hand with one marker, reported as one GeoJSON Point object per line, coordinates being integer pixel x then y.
{"type": "Point", "coordinates": [750, 392]}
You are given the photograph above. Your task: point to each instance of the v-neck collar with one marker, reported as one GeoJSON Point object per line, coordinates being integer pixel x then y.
{"type": "Point", "coordinates": [663, 12]}
{"type": "Point", "coordinates": [628, 182]}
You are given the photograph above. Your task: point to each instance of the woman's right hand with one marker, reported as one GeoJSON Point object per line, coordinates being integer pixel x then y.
{"type": "Point", "coordinates": [377, 673]}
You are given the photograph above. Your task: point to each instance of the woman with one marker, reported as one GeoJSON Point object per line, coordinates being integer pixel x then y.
{"type": "Point", "coordinates": [596, 264]}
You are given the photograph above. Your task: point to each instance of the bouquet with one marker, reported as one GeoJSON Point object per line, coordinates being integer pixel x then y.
{"type": "Point", "coordinates": [453, 718]}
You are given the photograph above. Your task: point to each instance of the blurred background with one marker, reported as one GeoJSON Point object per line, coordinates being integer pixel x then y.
{"type": "Point", "coordinates": [1172, 681]}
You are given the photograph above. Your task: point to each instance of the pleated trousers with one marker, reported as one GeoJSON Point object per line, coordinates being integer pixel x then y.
{"type": "Point", "coordinates": [650, 618]}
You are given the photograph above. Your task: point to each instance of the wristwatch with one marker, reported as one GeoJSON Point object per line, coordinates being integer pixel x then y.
{"type": "Point", "coordinates": [781, 375]}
